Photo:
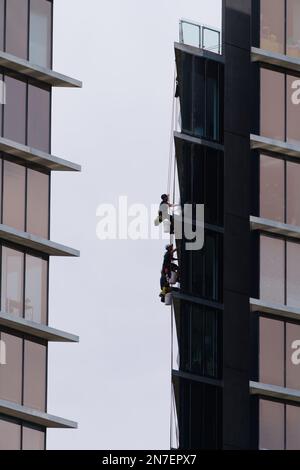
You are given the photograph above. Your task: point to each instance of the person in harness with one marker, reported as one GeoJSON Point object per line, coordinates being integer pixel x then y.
{"type": "Point", "coordinates": [164, 212]}
{"type": "Point", "coordinates": [166, 272]}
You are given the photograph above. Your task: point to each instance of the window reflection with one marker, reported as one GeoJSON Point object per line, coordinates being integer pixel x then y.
{"type": "Point", "coordinates": [272, 25]}
{"type": "Point", "coordinates": [17, 27]}
{"type": "Point", "coordinates": [293, 28]}
{"type": "Point", "coordinates": [39, 117]}
{"type": "Point", "coordinates": [272, 105]}
{"type": "Point", "coordinates": [12, 281]}
{"type": "Point", "coordinates": [271, 351]}
{"type": "Point", "coordinates": [293, 274]}
{"type": "Point", "coordinates": [34, 373]}
{"type": "Point", "coordinates": [14, 195]}
{"type": "Point", "coordinates": [11, 372]}
{"type": "Point", "coordinates": [272, 188]}
{"type": "Point", "coordinates": [38, 203]}
{"type": "Point", "coordinates": [15, 110]}
{"type": "Point", "coordinates": [36, 289]}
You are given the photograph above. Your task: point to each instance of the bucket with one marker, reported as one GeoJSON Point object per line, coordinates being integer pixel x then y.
{"type": "Point", "coordinates": [173, 278]}
{"type": "Point", "coordinates": [168, 299]}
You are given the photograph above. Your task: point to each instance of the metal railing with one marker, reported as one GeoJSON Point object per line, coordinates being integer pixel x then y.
{"type": "Point", "coordinates": [198, 35]}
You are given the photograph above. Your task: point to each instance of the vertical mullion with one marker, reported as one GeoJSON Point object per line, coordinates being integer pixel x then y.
{"type": "Point", "coordinates": [28, 29]}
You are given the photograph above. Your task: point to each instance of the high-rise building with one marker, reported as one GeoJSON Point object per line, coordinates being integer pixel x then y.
{"type": "Point", "coordinates": [26, 167]}
{"type": "Point", "coordinates": [236, 374]}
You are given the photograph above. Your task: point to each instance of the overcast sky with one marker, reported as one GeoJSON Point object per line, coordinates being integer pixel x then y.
{"type": "Point", "coordinates": [116, 382]}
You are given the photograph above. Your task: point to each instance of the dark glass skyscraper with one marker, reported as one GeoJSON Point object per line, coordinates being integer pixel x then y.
{"type": "Point", "coordinates": [26, 166]}
{"type": "Point", "coordinates": [237, 314]}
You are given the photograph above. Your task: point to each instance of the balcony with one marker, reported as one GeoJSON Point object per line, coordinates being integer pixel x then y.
{"type": "Point", "coordinates": [200, 36]}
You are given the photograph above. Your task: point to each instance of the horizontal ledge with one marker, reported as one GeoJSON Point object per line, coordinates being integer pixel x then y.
{"type": "Point", "coordinates": [38, 330]}
{"type": "Point", "coordinates": [37, 72]}
{"type": "Point", "coordinates": [275, 228]}
{"type": "Point", "coordinates": [32, 155]}
{"type": "Point", "coordinates": [274, 391]}
{"type": "Point", "coordinates": [197, 300]}
{"type": "Point", "coordinates": [285, 311]}
{"type": "Point", "coordinates": [40, 418]}
{"type": "Point", "coordinates": [206, 54]}
{"type": "Point", "coordinates": [282, 61]}
{"type": "Point", "coordinates": [33, 242]}
{"type": "Point", "coordinates": [198, 141]}
{"type": "Point", "coordinates": [275, 146]}
{"type": "Point", "coordinates": [197, 378]}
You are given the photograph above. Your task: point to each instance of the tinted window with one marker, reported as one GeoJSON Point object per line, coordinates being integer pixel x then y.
{"type": "Point", "coordinates": [293, 184]}
{"type": "Point", "coordinates": [10, 435]}
{"type": "Point", "coordinates": [292, 356]}
{"type": "Point", "coordinates": [11, 372]}
{"type": "Point", "coordinates": [12, 280]}
{"type": "Point", "coordinates": [33, 439]}
{"type": "Point", "coordinates": [38, 203]}
{"type": "Point", "coordinates": [17, 27]}
{"type": "Point", "coordinates": [36, 289]}
{"type": "Point", "coordinates": [271, 430]}
{"type": "Point", "coordinates": [272, 188]}
{"type": "Point", "coordinates": [272, 104]}
{"type": "Point", "coordinates": [293, 108]}
{"type": "Point", "coordinates": [34, 375]}
{"type": "Point", "coordinates": [40, 32]}
{"type": "Point", "coordinates": [14, 195]}
{"type": "Point", "coordinates": [272, 25]}
{"type": "Point", "coordinates": [293, 28]}
{"type": "Point", "coordinates": [39, 118]}
{"type": "Point", "coordinates": [271, 351]}
{"type": "Point", "coordinates": [272, 269]}
{"type": "Point", "coordinates": [15, 110]}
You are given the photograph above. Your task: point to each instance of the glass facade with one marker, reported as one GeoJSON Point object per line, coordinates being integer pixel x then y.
{"type": "Point", "coordinates": [25, 196]}
{"type": "Point", "coordinates": [279, 106]}
{"type": "Point", "coordinates": [198, 407]}
{"type": "Point", "coordinates": [26, 114]}
{"type": "Point", "coordinates": [279, 427]}
{"type": "Point", "coordinates": [17, 435]}
{"type": "Point", "coordinates": [279, 271]}
{"type": "Point", "coordinates": [201, 175]}
{"type": "Point", "coordinates": [24, 281]}
{"type": "Point", "coordinates": [26, 30]}
{"type": "Point", "coordinates": [201, 85]}
{"type": "Point", "coordinates": [279, 183]}
{"type": "Point", "coordinates": [279, 26]}
{"type": "Point", "coordinates": [23, 377]}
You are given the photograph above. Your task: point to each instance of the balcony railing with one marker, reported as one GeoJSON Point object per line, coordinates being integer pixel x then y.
{"type": "Point", "coordinates": [197, 35]}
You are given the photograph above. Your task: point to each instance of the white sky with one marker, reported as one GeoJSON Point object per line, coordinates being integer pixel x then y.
{"type": "Point", "coordinates": [116, 382]}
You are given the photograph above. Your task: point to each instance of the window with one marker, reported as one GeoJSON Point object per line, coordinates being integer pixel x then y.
{"type": "Point", "coordinates": [272, 105]}
{"type": "Point", "coordinates": [38, 203]}
{"type": "Point", "coordinates": [11, 372]}
{"type": "Point", "coordinates": [33, 438]}
{"type": "Point", "coordinates": [272, 188]}
{"type": "Point", "coordinates": [2, 6]}
{"type": "Point", "coordinates": [272, 269]}
{"type": "Point", "coordinates": [271, 351]}
{"type": "Point", "coordinates": [277, 420]}
{"type": "Point", "coordinates": [35, 373]}
{"type": "Point", "coordinates": [200, 333]}
{"type": "Point", "coordinates": [26, 113]}
{"type": "Point", "coordinates": [40, 32]}
{"type": "Point", "coordinates": [14, 177]}
{"type": "Point", "coordinates": [36, 284]}
{"type": "Point", "coordinates": [26, 196]}
{"type": "Point", "coordinates": [271, 425]}
{"type": "Point", "coordinates": [198, 408]}
{"type": "Point", "coordinates": [17, 27]}
{"type": "Point", "coordinates": [293, 28]}
{"type": "Point", "coordinates": [23, 377]}
{"type": "Point", "coordinates": [279, 106]}
{"type": "Point", "coordinates": [201, 174]}
{"type": "Point", "coordinates": [15, 110]}
{"type": "Point", "coordinates": [12, 280]}
{"type": "Point", "coordinates": [293, 108]}
{"type": "Point", "coordinates": [39, 117]}
{"type": "Point", "coordinates": [279, 183]}
{"type": "Point", "coordinates": [10, 434]}
{"type": "Point", "coordinates": [279, 346]}
{"type": "Point", "coordinates": [293, 274]}
{"type": "Point", "coordinates": [201, 85]}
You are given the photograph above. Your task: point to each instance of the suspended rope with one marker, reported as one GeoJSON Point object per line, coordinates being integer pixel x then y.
{"type": "Point", "coordinates": [171, 134]}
